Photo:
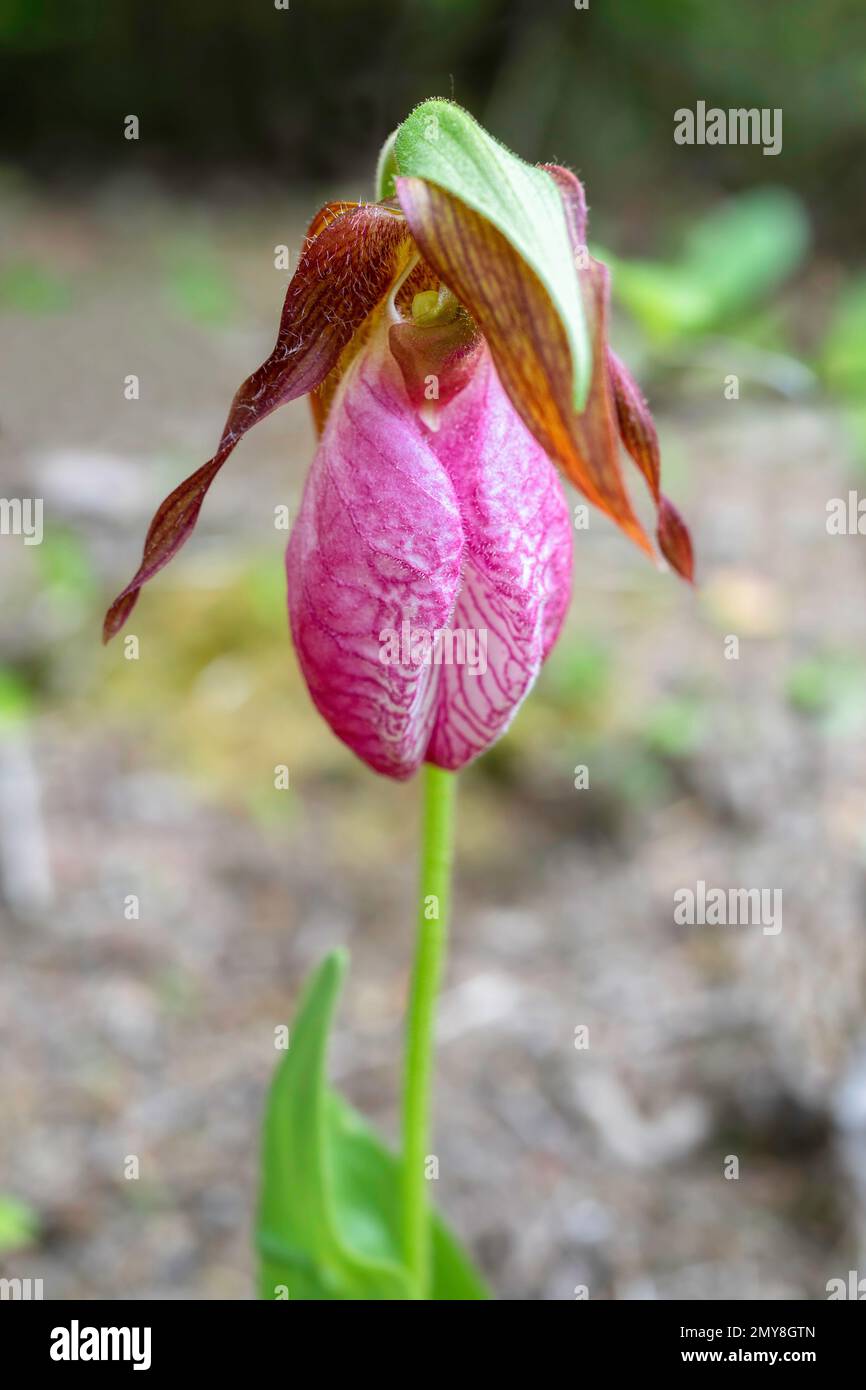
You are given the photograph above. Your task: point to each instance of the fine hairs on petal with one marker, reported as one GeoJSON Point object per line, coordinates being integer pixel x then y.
{"type": "Point", "coordinates": [350, 259]}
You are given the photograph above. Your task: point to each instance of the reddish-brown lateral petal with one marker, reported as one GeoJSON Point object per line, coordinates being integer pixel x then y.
{"type": "Point", "coordinates": [674, 540]}
{"type": "Point", "coordinates": [639, 436]}
{"type": "Point", "coordinates": [636, 425]}
{"type": "Point", "coordinates": [320, 399]}
{"type": "Point", "coordinates": [175, 518]}
{"type": "Point", "coordinates": [421, 277]}
{"type": "Point", "coordinates": [325, 216]}
{"type": "Point", "coordinates": [573, 200]}
{"type": "Point", "coordinates": [351, 257]}
{"type": "Point", "coordinates": [528, 343]}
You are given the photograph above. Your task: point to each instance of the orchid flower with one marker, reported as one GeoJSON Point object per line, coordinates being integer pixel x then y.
{"type": "Point", "coordinates": [452, 338]}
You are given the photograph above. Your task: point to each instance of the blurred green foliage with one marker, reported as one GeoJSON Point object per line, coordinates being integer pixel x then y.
{"type": "Point", "coordinates": [15, 698]}
{"type": "Point", "coordinates": [19, 1225]}
{"type": "Point", "coordinates": [843, 359]}
{"type": "Point", "coordinates": [28, 288]}
{"type": "Point", "coordinates": [578, 674]}
{"type": "Point", "coordinates": [198, 286]}
{"type": "Point", "coordinates": [732, 259]}
{"type": "Point", "coordinates": [843, 356]}
{"type": "Point", "coordinates": [676, 726]}
{"type": "Point", "coordinates": [66, 567]}
{"type": "Point", "coordinates": [310, 92]}
{"type": "Point", "coordinates": [830, 686]}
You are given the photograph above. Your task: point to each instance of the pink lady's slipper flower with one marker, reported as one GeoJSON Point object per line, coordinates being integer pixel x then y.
{"type": "Point", "coordinates": [429, 568]}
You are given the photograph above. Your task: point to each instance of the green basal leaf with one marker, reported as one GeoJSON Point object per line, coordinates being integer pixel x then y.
{"type": "Point", "coordinates": [329, 1225]}
{"type": "Point", "coordinates": [442, 143]}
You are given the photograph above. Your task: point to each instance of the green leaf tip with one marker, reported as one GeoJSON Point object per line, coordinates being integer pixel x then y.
{"type": "Point", "coordinates": [386, 169]}
{"type": "Point", "coordinates": [445, 145]}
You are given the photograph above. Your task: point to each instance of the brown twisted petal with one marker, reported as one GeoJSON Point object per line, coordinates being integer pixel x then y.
{"type": "Point", "coordinates": [528, 343]}
{"type": "Point", "coordinates": [636, 427]}
{"type": "Point", "coordinates": [639, 436]}
{"type": "Point", "coordinates": [350, 259]}
{"type": "Point", "coordinates": [674, 540]}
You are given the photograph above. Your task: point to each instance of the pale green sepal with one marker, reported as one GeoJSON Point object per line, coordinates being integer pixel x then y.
{"type": "Point", "coordinates": [442, 143]}
{"type": "Point", "coordinates": [386, 169]}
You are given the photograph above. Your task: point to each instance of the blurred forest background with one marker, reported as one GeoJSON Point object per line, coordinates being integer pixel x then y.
{"type": "Point", "coordinates": [152, 1036]}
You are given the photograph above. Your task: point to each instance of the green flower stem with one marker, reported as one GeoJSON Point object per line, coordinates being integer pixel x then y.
{"type": "Point", "coordinates": [437, 853]}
